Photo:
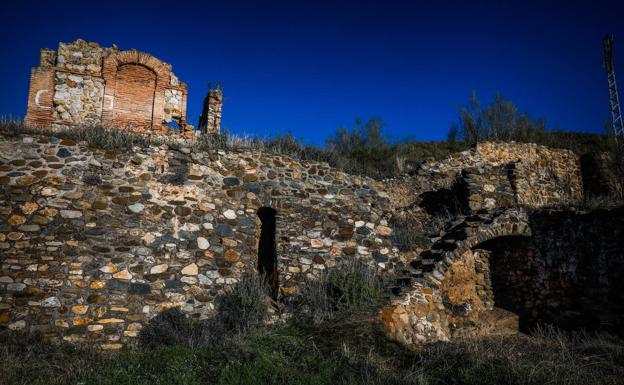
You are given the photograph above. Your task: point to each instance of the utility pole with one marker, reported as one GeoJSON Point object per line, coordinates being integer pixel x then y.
{"type": "Point", "coordinates": [614, 98]}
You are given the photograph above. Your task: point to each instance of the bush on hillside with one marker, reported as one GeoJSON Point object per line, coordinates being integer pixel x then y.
{"type": "Point", "coordinates": [499, 120]}
{"type": "Point", "coordinates": [239, 312]}
{"type": "Point", "coordinates": [350, 288]}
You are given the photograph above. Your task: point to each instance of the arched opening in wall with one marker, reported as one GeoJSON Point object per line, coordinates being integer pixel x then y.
{"type": "Point", "coordinates": [509, 265]}
{"type": "Point", "coordinates": [267, 252]}
{"type": "Point", "coordinates": [135, 87]}
{"type": "Point", "coordinates": [485, 293]}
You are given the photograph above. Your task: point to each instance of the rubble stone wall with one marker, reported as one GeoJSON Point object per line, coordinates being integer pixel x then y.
{"type": "Point", "coordinates": [78, 99]}
{"type": "Point", "coordinates": [566, 273]}
{"type": "Point", "coordinates": [539, 176]}
{"type": "Point", "coordinates": [83, 83]}
{"type": "Point", "coordinates": [93, 244]}
{"type": "Point", "coordinates": [210, 119]}
{"type": "Point", "coordinates": [559, 267]}
{"type": "Point", "coordinates": [572, 270]}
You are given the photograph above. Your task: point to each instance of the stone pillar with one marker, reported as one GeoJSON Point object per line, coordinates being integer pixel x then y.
{"type": "Point", "coordinates": [210, 119]}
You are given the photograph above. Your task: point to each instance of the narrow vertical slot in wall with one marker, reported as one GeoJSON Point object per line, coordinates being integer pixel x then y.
{"type": "Point", "coordinates": [267, 254]}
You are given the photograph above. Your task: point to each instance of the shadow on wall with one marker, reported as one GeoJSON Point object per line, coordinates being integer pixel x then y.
{"type": "Point", "coordinates": [599, 176]}
{"type": "Point", "coordinates": [177, 173]}
{"type": "Point", "coordinates": [511, 272]}
{"type": "Point", "coordinates": [445, 201]}
{"type": "Point", "coordinates": [568, 273]}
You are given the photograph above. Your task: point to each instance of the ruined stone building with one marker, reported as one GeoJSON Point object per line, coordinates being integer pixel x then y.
{"type": "Point", "coordinates": [94, 243]}
{"type": "Point", "coordinates": [83, 83]}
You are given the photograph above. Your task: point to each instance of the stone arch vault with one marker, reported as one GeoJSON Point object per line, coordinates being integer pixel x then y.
{"type": "Point", "coordinates": [421, 312]}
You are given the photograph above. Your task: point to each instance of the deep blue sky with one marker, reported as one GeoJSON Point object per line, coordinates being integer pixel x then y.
{"type": "Point", "coordinates": [309, 67]}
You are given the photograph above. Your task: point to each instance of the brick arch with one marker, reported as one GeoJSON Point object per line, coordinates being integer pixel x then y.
{"type": "Point", "coordinates": [118, 61]}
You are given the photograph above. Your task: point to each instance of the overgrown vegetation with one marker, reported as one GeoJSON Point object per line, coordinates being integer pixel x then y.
{"type": "Point", "coordinates": [364, 149]}
{"type": "Point", "coordinates": [239, 312]}
{"type": "Point", "coordinates": [343, 346]}
{"type": "Point", "coordinates": [105, 138]}
{"type": "Point", "coordinates": [502, 120]}
{"type": "Point", "coordinates": [352, 288]}
{"type": "Point", "coordinates": [499, 120]}
{"type": "Point", "coordinates": [335, 352]}
{"type": "Point", "coordinates": [410, 233]}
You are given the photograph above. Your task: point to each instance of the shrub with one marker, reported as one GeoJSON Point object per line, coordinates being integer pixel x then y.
{"type": "Point", "coordinates": [409, 234]}
{"type": "Point", "coordinates": [350, 288]}
{"type": "Point", "coordinates": [242, 310]}
{"type": "Point", "coordinates": [499, 120]}
{"type": "Point", "coordinates": [238, 312]}
{"type": "Point", "coordinates": [169, 328]}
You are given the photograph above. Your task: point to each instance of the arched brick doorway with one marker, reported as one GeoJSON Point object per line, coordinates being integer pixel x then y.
{"type": "Point", "coordinates": [135, 87]}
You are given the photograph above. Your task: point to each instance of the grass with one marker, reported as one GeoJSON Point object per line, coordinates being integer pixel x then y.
{"type": "Point", "coordinates": [345, 351]}
{"type": "Point", "coordinates": [345, 346]}
{"type": "Point", "coordinates": [363, 150]}
{"type": "Point", "coordinates": [105, 138]}
{"type": "Point", "coordinates": [350, 289]}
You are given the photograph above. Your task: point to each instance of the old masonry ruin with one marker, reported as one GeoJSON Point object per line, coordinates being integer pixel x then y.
{"type": "Point", "coordinates": [95, 243]}
{"type": "Point", "coordinates": [82, 83]}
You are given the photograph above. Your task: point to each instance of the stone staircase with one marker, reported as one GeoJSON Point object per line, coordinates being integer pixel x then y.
{"type": "Point", "coordinates": [459, 229]}
{"type": "Point", "coordinates": [426, 273]}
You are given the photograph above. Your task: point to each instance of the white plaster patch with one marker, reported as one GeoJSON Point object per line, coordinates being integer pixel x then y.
{"type": "Point", "coordinates": [38, 98]}
{"type": "Point", "coordinates": [108, 102]}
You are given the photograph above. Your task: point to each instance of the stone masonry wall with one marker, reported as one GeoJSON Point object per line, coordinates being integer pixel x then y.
{"type": "Point", "coordinates": [446, 290]}
{"type": "Point", "coordinates": [83, 83]}
{"type": "Point", "coordinates": [558, 267]}
{"type": "Point", "coordinates": [93, 244]}
{"type": "Point", "coordinates": [538, 175]}
{"type": "Point", "coordinates": [568, 273]}
{"type": "Point", "coordinates": [78, 99]}
{"type": "Point", "coordinates": [210, 118]}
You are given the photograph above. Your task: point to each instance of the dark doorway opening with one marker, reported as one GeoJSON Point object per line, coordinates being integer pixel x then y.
{"type": "Point", "coordinates": [267, 254]}
{"type": "Point", "coordinates": [512, 275]}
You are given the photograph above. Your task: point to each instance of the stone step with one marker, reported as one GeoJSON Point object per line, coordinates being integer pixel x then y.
{"type": "Point", "coordinates": [501, 322]}
{"type": "Point", "coordinates": [495, 322]}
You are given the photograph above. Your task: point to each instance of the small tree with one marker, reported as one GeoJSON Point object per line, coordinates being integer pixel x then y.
{"type": "Point", "coordinates": [499, 120]}
{"type": "Point", "coordinates": [364, 149]}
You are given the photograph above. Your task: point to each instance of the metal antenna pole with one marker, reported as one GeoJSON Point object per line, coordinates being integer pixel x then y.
{"type": "Point", "coordinates": [614, 98]}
